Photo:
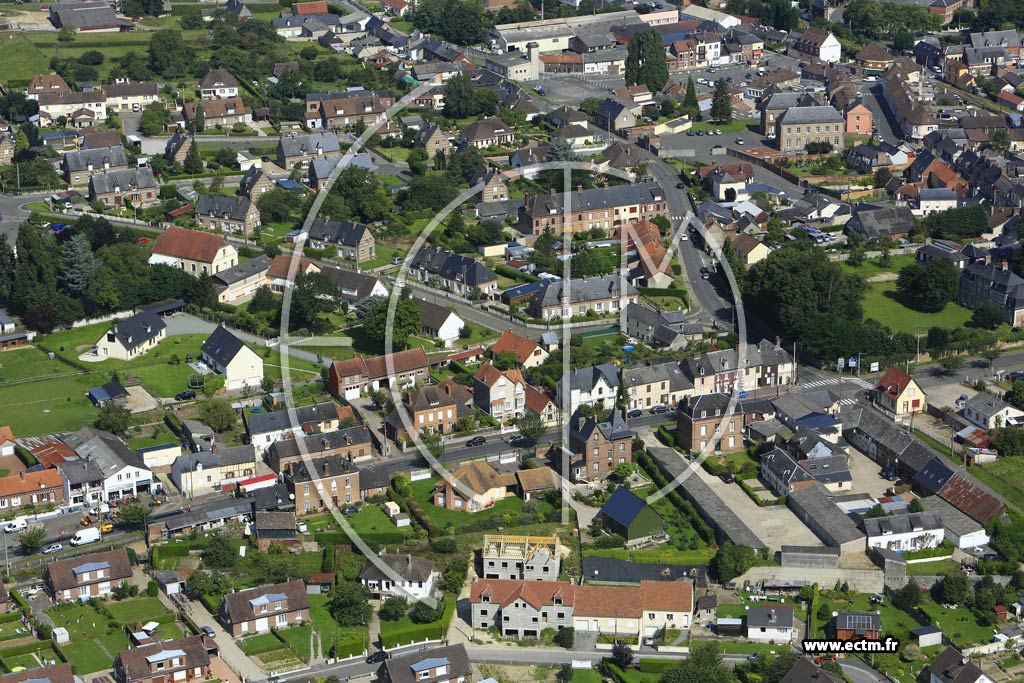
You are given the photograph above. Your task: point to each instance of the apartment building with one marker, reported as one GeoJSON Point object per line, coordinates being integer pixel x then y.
{"type": "Point", "coordinates": [602, 208]}
{"type": "Point", "coordinates": [330, 479]}
{"type": "Point", "coordinates": [800, 126]}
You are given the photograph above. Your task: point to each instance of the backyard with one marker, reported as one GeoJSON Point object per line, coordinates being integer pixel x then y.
{"type": "Point", "coordinates": [880, 303]}
{"type": "Point", "coordinates": [958, 624]}
{"type": "Point", "coordinates": [456, 519]}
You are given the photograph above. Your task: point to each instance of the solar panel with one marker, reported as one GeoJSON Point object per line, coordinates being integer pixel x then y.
{"type": "Point", "coordinates": [859, 622]}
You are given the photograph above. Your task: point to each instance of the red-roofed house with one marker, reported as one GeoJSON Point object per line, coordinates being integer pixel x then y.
{"type": "Point", "coordinates": [197, 253]}
{"type": "Point", "coordinates": [31, 488]}
{"type": "Point", "coordinates": [540, 404]}
{"type": "Point", "coordinates": [499, 394]}
{"type": "Point", "coordinates": [1012, 99]}
{"type": "Point", "coordinates": [528, 353]}
{"type": "Point", "coordinates": [301, 9]}
{"type": "Point", "coordinates": [7, 442]}
{"type": "Point", "coordinates": [898, 394]}
{"type": "Point", "coordinates": [399, 8]}
{"type": "Point", "coordinates": [348, 378]}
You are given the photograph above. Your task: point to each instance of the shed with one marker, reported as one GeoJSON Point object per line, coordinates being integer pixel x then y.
{"type": "Point", "coordinates": [628, 515]}
{"type": "Point", "coordinates": [927, 635]}
{"type": "Point", "coordinates": [171, 582]}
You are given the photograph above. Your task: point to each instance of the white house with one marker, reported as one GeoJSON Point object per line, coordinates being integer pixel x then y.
{"type": "Point", "coordinates": [406, 576]}
{"type": "Point", "coordinates": [7, 442]}
{"type": "Point", "coordinates": [912, 531]}
{"type": "Point", "coordinates": [935, 199]}
{"type": "Point", "coordinates": [123, 473]}
{"type": "Point", "coordinates": [990, 412]}
{"type": "Point", "coordinates": [596, 386]}
{"type": "Point", "coordinates": [132, 337]}
{"type": "Point", "coordinates": [770, 624]}
{"type": "Point", "coordinates": [439, 322]}
{"type": "Point", "coordinates": [960, 529]}
{"type": "Point", "coordinates": [225, 353]}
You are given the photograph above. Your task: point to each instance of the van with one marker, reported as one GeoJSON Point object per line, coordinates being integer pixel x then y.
{"type": "Point", "coordinates": [15, 526]}
{"type": "Point", "coordinates": [84, 536]}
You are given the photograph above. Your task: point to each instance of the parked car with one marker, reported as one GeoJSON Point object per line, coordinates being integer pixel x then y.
{"type": "Point", "coordinates": [350, 510]}
{"type": "Point", "coordinates": [659, 410]}
{"type": "Point", "coordinates": [726, 477]}
{"type": "Point", "coordinates": [185, 395]}
{"type": "Point", "coordinates": [208, 631]}
{"type": "Point", "coordinates": [476, 441]}
{"type": "Point", "coordinates": [378, 657]}
{"type": "Point", "coordinates": [53, 548]}
{"type": "Point", "coordinates": [519, 440]}
{"type": "Point", "coordinates": [740, 141]}
{"type": "Point", "coordinates": [634, 413]}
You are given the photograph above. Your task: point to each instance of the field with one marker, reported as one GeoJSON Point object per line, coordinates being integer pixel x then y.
{"type": "Point", "coordinates": [870, 267]}
{"type": "Point", "coordinates": [1006, 477]}
{"type": "Point", "coordinates": [58, 393]}
{"type": "Point", "coordinates": [881, 304]}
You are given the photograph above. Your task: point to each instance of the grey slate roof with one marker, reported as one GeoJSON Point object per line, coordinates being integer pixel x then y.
{"type": "Point", "coordinates": [640, 375]}
{"type": "Point", "coordinates": [103, 448]}
{"type": "Point", "coordinates": [615, 428]}
{"type": "Point", "coordinates": [337, 231]}
{"type": "Point", "coordinates": [243, 270]}
{"type": "Point", "coordinates": [814, 114]}
{"type": "Point", "coordinates": [449, 266]}
{"type": "Point", "coordinates": [122, 180]}
{"type": "Point", "coordinates": [595, 199]}
{"type": "Point", "coordinates": [314, 444]}
{"type": "Point", "coordinates": [770, 617]}
{"type": "Point", "coordinates": [584, 379]}
{"type": "Point", "coordinates": [612, 570]}
{"type": "Point", "coordinates": [407, 668]}
{"type": "Point", "coordinates": [80, 471]}
{"type": "Point", "coordinates": [266, 422]}
{"type": "Point", "coordinates": [902, 524]}
{"type": "Point", "coordinates": [953, 519]}
{"type": "Point", "coordinates": [222, 346]}
{"type": "Point", "coordinates": [298, 145]}
{"type": "Point", "coordinates": [137, 330]}
{"type": "Point", "coordinates": [99, 158]}
{"type": "Point", "coordinates": [221, 206]}
{"type": "Point", "coordinates": [409, 567]}
{"type": "Point", "coordinates": [595, 288]}
{"type": "Point", "coordinates": [986, 404]}
{"type": "Point", "coordinates": [831, 524]}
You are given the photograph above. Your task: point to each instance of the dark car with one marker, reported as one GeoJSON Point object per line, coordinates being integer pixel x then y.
{"type": "Point", "coordinates": [519, 440]}
{"type": "Point", "coordinates": [351, 510]}
{"type": "Point", "coordinates": [377, 657]}
{"type": "Point", "coordinates": [659, 410]}
{"type": "Point", "coordinates": [680, 186]}
{"type": "Point", "coordinates": [726, 477]}
{"type": "Point", "coordinates": [634, 413]}
{"type": "Point", "coordinates": [208, 631]}
{"type": "Point", "coordinates": [185, 395]}
{"type": "Point", "coordinates": [476, 441]}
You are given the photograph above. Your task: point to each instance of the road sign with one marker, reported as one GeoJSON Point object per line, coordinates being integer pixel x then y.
{"type": "Point", "coordinates": [852, 362]}
{"type": "Point", "coordinates": [841, 363]}
{"type": "Point", "coordinates": [874, 367]}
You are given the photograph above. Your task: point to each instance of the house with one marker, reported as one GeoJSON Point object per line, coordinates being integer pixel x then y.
{"type": "Point", "coordinates": [750, 249]}
{"type": "Point", "coordinates": [628, 515]}
{"type": "Point", "coordinates": [223, 112]}
{"type": "Point", "coordinates": [402, 369]}
{"type": "Point", "coordinates": [318, 479]}
{"type": "Point", "coordinates": [460, 274]}
{"type": "Point", "coordinates": [124, 474]}
{"type": "Point", "coordinates": [783, 473]}
{"type": "Point", "coordinates": [660, 328]}
{"type": "Point", "coordinates": [766, 365]}
{"type": "Point", "coordinates": [540, 405]}
{"type": "Point", "coordinates": [981, 282]}
{"type": "Point", "coordinates": [7, 442]}
{"type": "Point", "coordinates": [881, 219]}
{"type": "Point", "coordinates": [405, 576]}
{"type": "Point", "coordinates": [517, 607]}
{"type": "Point", "coordinates": [433, 140]}
{"type": "Point", "coordinates": [769, 624]}
{"type": "Point", "coordinates": [448, 664]}
{"type": "Point", "coordinates": [177, 148]}
{"type": "Point", "coordinates": [804, 670]}
{"type": "Point", "coordinates": [429, 409]}
{"type": "Point", "coordinates": [46, 83]}
{"type": "Point", "coordinates": [699, 419]}
{"type": "Point", "coordinates": [601, 208]}
{"type": "Point", "coordinates": [991, 412]}
{"type": "Point", "coordinates": [42, 488]}
{"type": "Point", "coordinates": [500, 394]}
{"type": "Point", "coordinates": [254, 183]}
{"type": "Point", "coordinates": [598, 447]}
{"type": "Point", "coordinates": [266, 428]}
{"type": "Point", "coordinates": [530, 558]}
{"type": "Point", "coordinates": [911, 531]}
{"type": "Point", "coordinates": [438, 322]}
{"type": "Point", "coordinates": [353, 241]}
{"type": "Point", "coordinates": [800, 126]}
{"type": "Point", "coordinates": [338, 110]}
{"type": "Point", "coordinates": [132, 337]}
{"type": "Point", "coordinates": [874, 58]}
{"type": "Point", "coordinates": [655, 384]}
{"type": "Point", "coordinates": [130, 97]}
{"type": "Point", "coordinates": [184, 659]}
{"type": "Point", "coordinates": [197, 253]}
{"type": "Point", "coordinates": [239, 283]}
{"type": "Point", "coordinates": [87, 576]}
{"type": "Point", "coordinates": [79, 109]}
{"type": "Point", "coordinates": [227, 355]}
{"type": "Point", "coordinates": [257, 610]}
{"type": "Point", "coordinates": [472, 487]}
{"type": "Point", "coordinates": [614, 115]}
{"type": "Point", "coordinates": [80, 165]}
{"type": "Point", "coordinates": [275, 528]}
{"type": "Point", "coordinates": [528, 353]}
{"type": "Point", "coordinates": [490, 132]}
{"type": "Point", "coordinates": [352, 443]}
{"type": "Point", "coordinates": [819, 44]}
{"type": "Point", "coordinates": [6, 149]}
{"type": "Point", "coordinates": [602, 294]}
{"type": "Point", "coordinates": [218, 84]}
{"type": "Point", "coordinates": [134, 186]}
{"type": "Point", "coordinates": [951, 666]}
{"type": "Point", "coordinates": [301, 150]}
{"type": "Point", "coordinates": [596, 385]}
{"type": "Point", "coordinates": [898, 394]}
{"type": "Point", "coordinates": [209, 471]}
{"type": "Point", "coordinates": [859, 120]}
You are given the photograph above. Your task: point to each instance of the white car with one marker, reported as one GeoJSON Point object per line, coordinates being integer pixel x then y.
{"type": "Point", "coordinates": [739, 141]}
{"type": "Point", "coordinates": [54, 548]}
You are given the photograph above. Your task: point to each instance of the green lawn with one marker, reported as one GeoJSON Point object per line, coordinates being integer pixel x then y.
{"type": "Point", "coordinates": [957, 624]}
{"type": "Point", "coordinates": [421, 492]}
{"type": "Point", "coordinates": [374, 527]}
{"type": "Point", "coordinates": [665, 554]}
{"type": "Point", "coordinates": [297, 638]}
{"type": "Point", "coordinates": [350, 639]}
{"type": "Point", "coordinates": [21, 59]}
{"type": "Point", "coordinates": [38, 395]}
{"type": "Point", "coordinates": [586, 676]}
{"type": "Point", "coordinates": [893, 618]}
{"type": "Point", "coordinates": [936, 568]}
{"type": "Point", "coordinates": [95, 639]}
{"type": "Point", "coordinates": [1006, 477]}
{"type": "Point", "coordinates": [880, 303]}
{"type": "Point", "coordinates": [261, 643]}
{"type": "Point", "coordinates": [870, 266]}
{"type": "Point", "coordinates": [137, 610]}
{"type": "Point", "coordinates": [384, 256]}
{"type": "Point", "coordinates": [731, 127]}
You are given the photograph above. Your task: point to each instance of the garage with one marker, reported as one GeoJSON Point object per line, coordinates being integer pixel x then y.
{"type": "Point", "coordinates": [262, 624]}
{"type": "Point", "coordinates": [351, 394]}
{"type": "Point", "coordinates": [581, 624]}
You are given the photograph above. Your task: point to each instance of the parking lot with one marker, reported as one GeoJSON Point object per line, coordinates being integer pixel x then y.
{"type": "Point", "coordinates": [866, 477]}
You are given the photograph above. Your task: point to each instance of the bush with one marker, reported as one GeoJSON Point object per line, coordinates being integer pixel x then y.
{"type": "Point", "coordinates": [445, 545]}
{"type": "Point", "coordinates": [152, 588]}
{"type": "Point", "coordinates": [566, 637]}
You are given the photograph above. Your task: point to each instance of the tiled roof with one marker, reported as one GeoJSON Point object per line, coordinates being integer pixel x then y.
{"type": "Point", "coordinates": [191, 245]}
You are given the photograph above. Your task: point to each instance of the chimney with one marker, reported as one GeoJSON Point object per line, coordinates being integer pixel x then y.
{"type": "Point", "coordinates": [771, 616]}
{"type": "Point", "coordinates": [22, 473]}
{"type": "Point", "coordinates": [327, 469]}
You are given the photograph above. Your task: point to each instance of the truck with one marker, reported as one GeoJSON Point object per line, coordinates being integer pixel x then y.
{"type": "Point", "coordinates": [83, 536]}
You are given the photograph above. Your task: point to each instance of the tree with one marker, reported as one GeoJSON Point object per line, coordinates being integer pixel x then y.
{"type": "Point", "coordinates": [219, 553]}
{"type": "Point", "coordinates": [566, 637]}
{"type": "Point", "coordinates": [908, 597]}
{"type": "Point", "coordinates": [1009, 441]}
{"type": "Point", "coordinates": [622, 654]}
{"type": "Point", "coordinates": [114, 418]}
{"type": "Point", "coordinates": [690, 104]}
{"type": "Point", "coordinates": [193, 161]}
{"type": "Point", "coordinates": [721, 103]}
{"type": "Point", "coordinates": [312, 296]}
{"type": "Point", "coordinates": [425, 613]}
{"type": "Point", "coordinates": [7, 269]}
{"type": "Point", "coordinates": [199, 119]}
{"type": "Point", "coordinates": [999, 141]}
{"type": "Point", "coordinates": [938, 340]}
{"type": "Point", "coordinates": [532, 427]}
{"type": "Point", "coordinates": [169, 54]}
{"type": "Point", "coordinates": [775, 668]}
{"type": "Point", "coordinates": [275, 206]}
{"type": "Point", "coordinates": [154, 117]}
{"type": "Point", "coordinates": [903, 40]}
{"type": "Point", "coordinates": [645, 61]}
{"type": "Point", "coordinates": [66, 34]}
{"type": "Point", "coordinates": [952, 364]}
{"type": "Point", "coordinates": [405, 324]}
{"type": "Point", "coordinates": [35, 279]}
{"type": "Point", "coordinates": [954, 589]}
{"type": "Point", "coordinates": [732, 560]}
{"type": "Point", "coordinates": [349, 604]}
{"type": "Point", "coordinates": [987, 316]}
{"type": "Point", "coordinates": [874, 511]}
{"type": "Point", "coordinates": [263, 300]}
{"type": "Point", "coordinates": [31, 540]}
{"type": "Point", "coordinates": [462, 99]}
{"type": "Point", "coordinates": [1015, 395]}
{"type": "Point", "coordinates": [459, 21]}
{"type": "Point", "coordinates": [135, 514]}
{"type": "Point", "coordinates": [77, 264]}
{"type": "Point", "coordinates": [915, 506]}
{"type": "Point", "coordinates": [217, 414]}
{"type": "Point", "coordinates": [882, 177]}
{"type": "Point", "coordinates": [394, 608]}
{"type": "Point", "coordinates": [928, 287]}
{"type": "Point", "coordinates": [704, 666]}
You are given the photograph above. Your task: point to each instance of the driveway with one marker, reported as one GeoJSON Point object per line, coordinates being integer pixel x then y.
{"type": "Point", "coordinates": [865, 473]}
{"type": "Point", "coordinates": [232, 655]}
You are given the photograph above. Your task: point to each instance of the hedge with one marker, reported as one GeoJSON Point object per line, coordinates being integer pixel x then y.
{"type": "Point", "coordinates": [175, 425]}
{"type": "Point", "coordinates": [9, 617]}
{"type": "Point", "coordinates": [22, 603]}
{"type": "Point", "coordinates": [421, 517]}
{"type": "Point", "coordinates": [663, 291]}
{"type": "Point", "coordinates": [348, 648]}
{"type": "Point", "coordinates": [25, 456]}
{"type": "Point", "coordinates": [326, 538]}
{"type": "Point", "coordinates": [27, 648]}
{"type": "Point", "coordinates": [211, 602]}
{"type": "Point", "coordinates": [515, 274]}
{"type": "Point", "coordinates": [702, 528]}
{"type": "Point", "coordinates": [420, 632]}
{"type": "Point", "coordinates": [944, 549]}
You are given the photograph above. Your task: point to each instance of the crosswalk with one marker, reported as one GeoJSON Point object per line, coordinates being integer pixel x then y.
{"type": "Point", "coordinates": [847, 401]}
{"type": "Point", "coordinates": [856, 381]}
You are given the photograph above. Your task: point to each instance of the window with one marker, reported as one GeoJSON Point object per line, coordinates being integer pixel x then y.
{"type": "Point", "coordinates": [282, 619]}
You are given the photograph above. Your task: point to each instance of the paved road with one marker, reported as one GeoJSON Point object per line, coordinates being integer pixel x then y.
{"type": "Point", "coordinates": [13, 214]}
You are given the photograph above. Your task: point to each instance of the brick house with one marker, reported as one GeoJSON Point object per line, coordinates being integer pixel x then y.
{"type": "Point", "coordinates": [219, 213]}
{"type": "Point", "coordinates": [259, 609]}
{"type": "Point", "coordinates": [116, 188]}
{"type": "Point", "coordinates": [87, 576]}
{"type": "Point", "coordinates": [332, 478]}
{"type": "Point", "coordinates": [699, 417]}
{"type": "Point", "coordinates": [354, 241]}
{"type": "Point", "coordinates": [351, 443]}
{"type": "Point", "coordinates": [528, 353]}
{"type": "Point", "coordinates": [41, 488]}
{"type": "Point", "coordinates": [177, 661]}
{"type": "Point", "coordinates": [427, 409]}
{"type": "Point", "coordinates": [348, 378]}
{"type": "Point", "coordinates": [604, 208]}
{"type": "Point", "coordinates": [599, 447]}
